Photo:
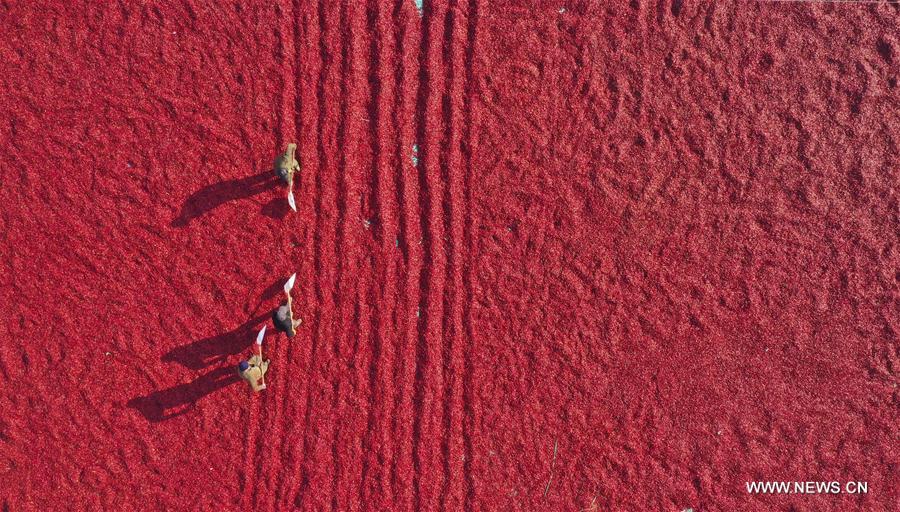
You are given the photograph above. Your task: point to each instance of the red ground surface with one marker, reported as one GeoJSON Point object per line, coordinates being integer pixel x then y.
{"type": "Point", "coordinates": [661, 237]}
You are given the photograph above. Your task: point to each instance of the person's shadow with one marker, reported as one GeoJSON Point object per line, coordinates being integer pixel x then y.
{"type": "Point", "coordinates": [177, 400]}
{"type": "Point", "coordinates": [276, 208]}
{"type": "Point", "coordinates": [168, 403]}
{"type": "Point", "coordinates": [217, 194]}
{"type": "Point", "coordinates": [215, 349]}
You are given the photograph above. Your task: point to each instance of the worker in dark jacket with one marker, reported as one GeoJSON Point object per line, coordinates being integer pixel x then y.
{"type": "Point", "coordinates": [284, 321]}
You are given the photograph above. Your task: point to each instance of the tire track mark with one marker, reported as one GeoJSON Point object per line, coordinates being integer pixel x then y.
{"type": "Point", "coordinates": [305, 98]}
{"type": "Point", "coordinates": [372, 208]}
{"type": "Point", "coordinates": [421, 342]}
{"type": "Point", "coordinates": [374, 63]}
{"type": "Point", "coordinates": [310, 204]}
{"type": "Point", "coordinates": [374, 437]}
{"type": "Point", "coordinates": [249, 477]}
{"type": "Point", "coordinates": [446, 341]}
{"type": "Point", "coordinates": [356, 332]}
{"type": "Point", "coordinates": [451, 452]}
{"type": "Point", "coordinates": [310, 433]}
{"type": "Point", "coordinates": [359, 255]}
{"type": "Point", "coordinates": [339, 289]}
{"type": "Point", "coordinates": [367, 445]}
{"type": "Point", "coordinates": [288, 387]}
{"type": "Point", "coordinates": [428, 374]}
{"type": "Point", "coordinates": [468, 425]}
{"type": "Point", "coordinates": [271, 431]}
{"type": "Point", "coordinates": [407, 189]}
{"type": "Point", "coordinates": [389, 213]}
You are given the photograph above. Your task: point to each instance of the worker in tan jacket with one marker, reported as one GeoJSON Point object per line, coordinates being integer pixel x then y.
{"type": "Point", "coordinates": [286, 165]}
{"type": "Point", "coordinates": [253, 371]}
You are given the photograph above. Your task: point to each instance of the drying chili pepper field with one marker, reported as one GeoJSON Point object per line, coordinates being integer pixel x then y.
{"type": "Point", "coordinates": [630, 255]}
